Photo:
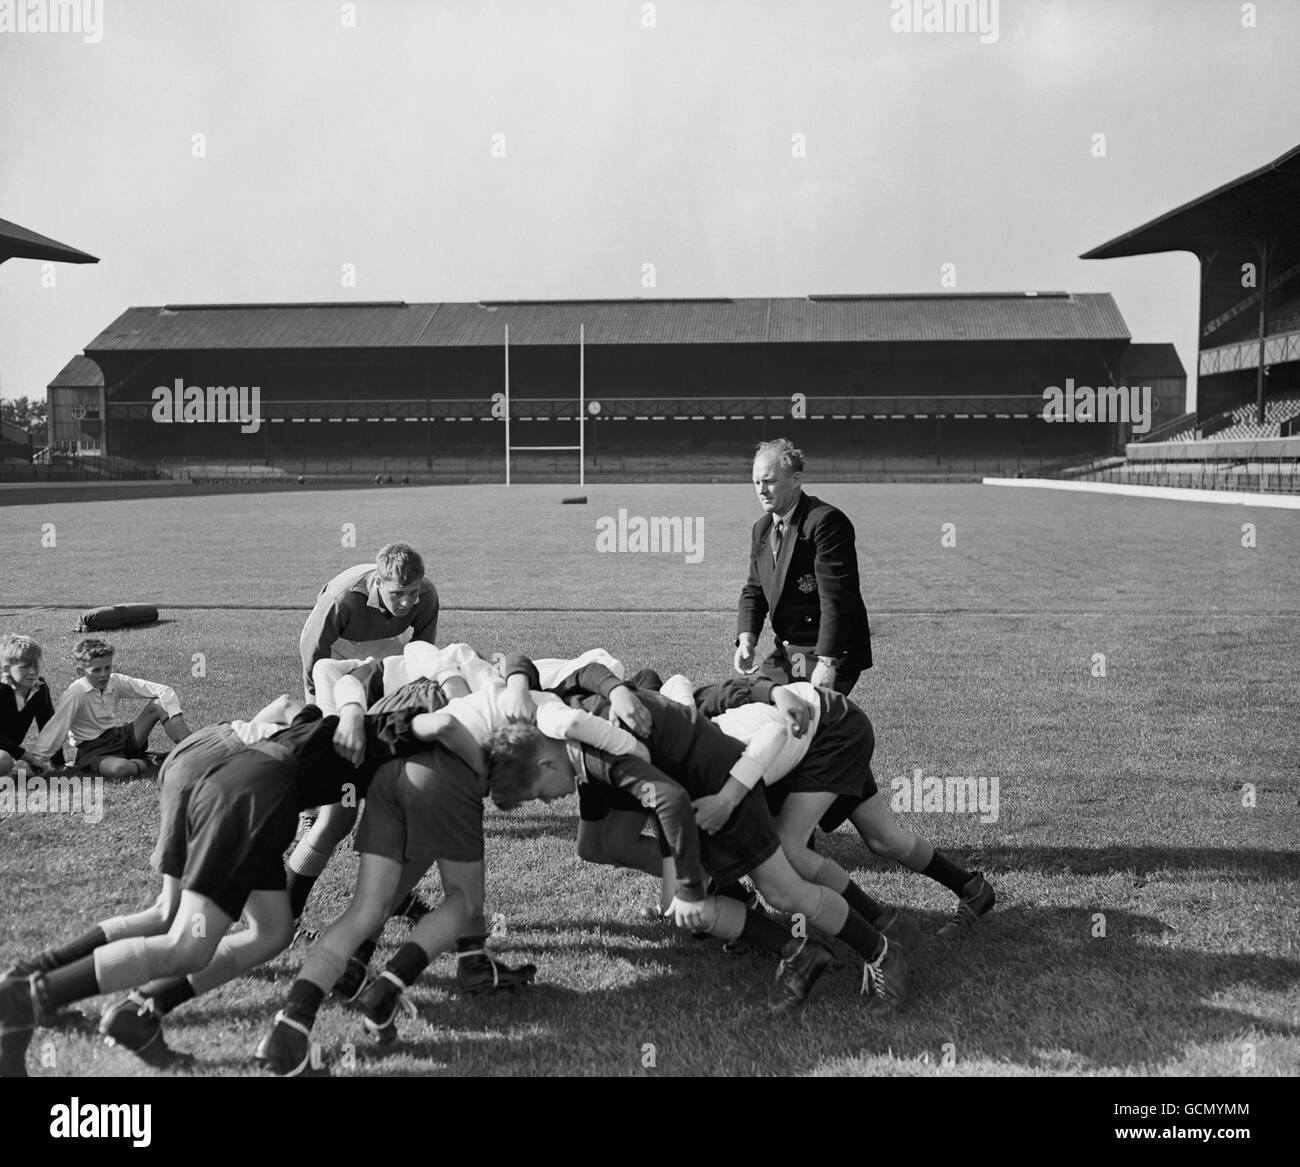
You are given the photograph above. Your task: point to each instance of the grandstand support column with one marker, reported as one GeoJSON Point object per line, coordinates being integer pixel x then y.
{"type": "Point", "coordinates": [507, 348]}
{"type": "Point", "coordinates": [428, 435]}
{"type": "Point", "coordinates": [938, 439]}
{"type": "Point", "coordinates": [582, 404]}
{"type": "Point", "coordinates": [1260, 371]}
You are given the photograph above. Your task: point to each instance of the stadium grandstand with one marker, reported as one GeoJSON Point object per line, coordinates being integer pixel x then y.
{"type": "Point", "coordinates": [1245, 431]}
{"type": "Point", "coordinates": [881, 386]}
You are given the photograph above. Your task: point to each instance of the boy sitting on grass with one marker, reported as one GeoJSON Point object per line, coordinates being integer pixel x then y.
{"type": "Point", "coordinates": [24, 698]}
{"type": "Point", "coordinates": [87, 714]}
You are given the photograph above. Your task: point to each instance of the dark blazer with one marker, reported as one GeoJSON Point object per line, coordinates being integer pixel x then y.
{"type": "Point", "coordinates": [811, 593]}
{"type": "Point", "coordinates": [15, 722]}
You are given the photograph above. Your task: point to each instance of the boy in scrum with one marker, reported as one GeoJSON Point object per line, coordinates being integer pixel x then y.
{"type": "Point", "coordinates": [829, 779]}
{"type": "Point", "coordinates": [223, 832]}
{"type": "Point", "coordinates": [428, 810]}
{"type": "Point", "coordinates": [690, 755]}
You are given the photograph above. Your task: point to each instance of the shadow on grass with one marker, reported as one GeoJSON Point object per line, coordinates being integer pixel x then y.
{"type": "Point", "coordinates": [1031, 988]}
{"type": "Point", "coordinates": [1221, 863]}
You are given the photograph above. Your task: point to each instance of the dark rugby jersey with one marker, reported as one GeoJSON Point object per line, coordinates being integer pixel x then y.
{"type": "Point", "coordinates": [321, 774]}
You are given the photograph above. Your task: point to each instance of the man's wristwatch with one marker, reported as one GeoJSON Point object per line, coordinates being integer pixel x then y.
{"type": "Point", "coordinates": [831, 662]}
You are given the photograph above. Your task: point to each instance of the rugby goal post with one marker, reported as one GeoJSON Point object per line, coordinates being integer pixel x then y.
{"type": "Point", "coordinates": [581, 447]}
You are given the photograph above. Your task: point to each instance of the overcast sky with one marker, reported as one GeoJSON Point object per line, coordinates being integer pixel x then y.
{"type": "Point", "coordinates": [624, 145]}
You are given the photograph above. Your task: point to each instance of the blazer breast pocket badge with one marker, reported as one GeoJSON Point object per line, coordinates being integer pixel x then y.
{"type": "Point", "coordinates": [807, 583]}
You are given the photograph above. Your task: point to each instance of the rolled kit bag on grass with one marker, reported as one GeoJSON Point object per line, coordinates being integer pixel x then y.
{"type": "Point", "coordinates": [117, 616]}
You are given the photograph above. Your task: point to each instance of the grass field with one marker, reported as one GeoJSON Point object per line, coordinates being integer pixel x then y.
{"type": "Point", "coordinates": [1121, 796]}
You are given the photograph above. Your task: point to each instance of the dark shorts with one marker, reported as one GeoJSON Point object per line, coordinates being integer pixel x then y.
{"type": "Point", "coordinates": [838, 761]}
{"type": "Point", "coordinates": [749, 837]}
{"type": "Point", "coordinates": [747, 840]}
{"type": "Point", "coordinates": [189, 763]}
{"type": "Point", "coordinates": [421, 695]}
{"type": "Point", "coordinates": [240, 819]}
{"type": "Point", "coordinates": [425, 807]}
{"type": "Point", "coordinates": [597, 799]}
{"type": "Point", "coordinates": [117, 742]}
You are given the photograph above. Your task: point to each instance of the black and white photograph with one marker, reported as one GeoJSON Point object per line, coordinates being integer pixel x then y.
{"type": "Point", "coordinates": [569, 539]}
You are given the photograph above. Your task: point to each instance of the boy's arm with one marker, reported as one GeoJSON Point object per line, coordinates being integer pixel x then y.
{"type": "Point", "coordinates": [557, 720]}
{"type": "Point", "coordinates": [443, 728]}
{"type": "Point", "coordinates": [322, 629]}
{"type": "Point", "coordinates": [671, 805]}
{"type": "Point", "coordinates": [165, 695]}
{"type": "Point", "coordinates": [593, 677]}
{"type": "Point", "coordinates": [711, 700]}
{"type": "Point", "coordinates": [713, 810]}
{"type": "Point", "coordinates": [42, 710]}
{"type": "Point", "coordinates": [54, 734]}
{"type": "Point", "coordinates": [340, 683]}
{"type": "Point", "coordinates": [10, 741]}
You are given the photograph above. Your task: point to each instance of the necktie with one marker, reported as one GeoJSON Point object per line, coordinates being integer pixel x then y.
{"type": "Point", "coordinates": [776, 539]}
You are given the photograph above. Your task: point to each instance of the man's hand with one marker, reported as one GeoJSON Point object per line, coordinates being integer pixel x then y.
{"type": "Point", "coordinates": [712, 812]}
{"type": "Point", "coordinates": [625, 706]}
{"type": "Point", "coordinates": [350, 737]}
{"type": "Point", "coordinates": [824, 675]}
{"type": "Point", "coordinates": [686, 913]}
{"type": "Point", "coordinates": [35, 763]}
{"type": "Point", "coordinates": [517, 702]}
{"type": "Point", "coordinates": [744, 659]}
{"type": "Point", "coordinates": [796, 712]}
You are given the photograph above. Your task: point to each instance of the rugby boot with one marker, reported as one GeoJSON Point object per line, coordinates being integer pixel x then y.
{"type": "Point", "coordinates": [902, 932]}
{"type": "Point", "coordinates": [803, 962]}
{"type": "Point", "coordinates": [19, 1009]}
{"type": "Point", "coordinates": [286, 1050]}
{"type": "Point", "coordinates": [884, 980]}
{"type": "Point", "coordinates": [379, 1003]}
{"type": "Point", "coordinates": [977, 899]}
{"type": "Point", "coordinates": [135, 1024]}
{"type": "Point", "coordinates": [478, 971]}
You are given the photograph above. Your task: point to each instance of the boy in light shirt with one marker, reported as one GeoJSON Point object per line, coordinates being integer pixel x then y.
{"type": "Point", "coordinates": [87, 715]}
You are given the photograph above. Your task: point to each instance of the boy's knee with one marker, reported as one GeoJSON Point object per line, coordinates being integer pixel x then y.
{"type": "Point", "coordinates": [118, 768]}
{"type": "Point", "coordinates": [6, 763]}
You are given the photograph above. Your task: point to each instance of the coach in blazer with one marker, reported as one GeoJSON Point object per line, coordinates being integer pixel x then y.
{"type": "Point", "coordinates": [804, 576]}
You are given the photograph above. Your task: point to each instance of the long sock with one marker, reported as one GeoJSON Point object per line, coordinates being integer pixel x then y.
{"type": "Point", "coordinates": [82, 946]}
{"type": "Point", "coordinates": [764, 932]}
{"type": "Point", "coordinates": [323, 966]}
{"type": "Point", "coordinates": [124, 964]}
{"type": "Point", "coordinates": [408, 963]}
{"type": "Point", "coordinates": [169, 992]}
{"type": "Point", "coordinates": [304, 1001]}
{"type": "Point", "coordinates": [943, 870]}
{"type": "Point", "coordinates": [305, 867]}
{"type": "Point", "coordinates": [830, 874]}
{"type": "Point", "coordinates": [860, 935]}
{"type": "Point", "coordinates": [72, 982]}
{"type": "Point", "coordinates": [365, 950]}
{"type": "Point", "coordinates": [871, 910]}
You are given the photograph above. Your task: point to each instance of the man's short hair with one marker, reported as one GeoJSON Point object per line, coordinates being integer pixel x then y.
{"type": "Point", "coordinates": [401, 563]}
{"type": "Point", "coordinates": [19, 650]}
{"type": "Point", "coordinates": [788, 455]}
{"type": "Point", "coordinates": [511, 754]}
{"type": "Point", "coordinates": [90, 648]}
